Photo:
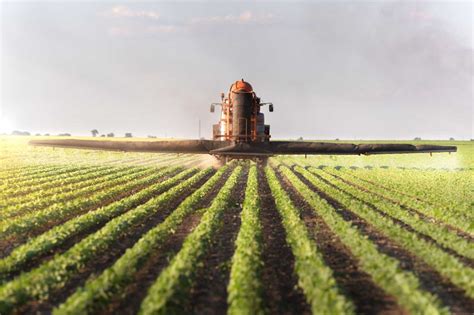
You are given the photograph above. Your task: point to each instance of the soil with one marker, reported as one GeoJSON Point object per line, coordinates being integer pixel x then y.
{"type": "Point", "coordinates": [450, 227]}
{"type": "Point", "coordinates": [129, 302]}
{"type": "Point", "coordinates": [464, 260]}
{"type": "Point", "coordinates": [7, 245]}
{"type": "Point", "coordinates": [102, 262]}
{"type": "Point", "coordinates": [349, 277]}
{"type": "Point", "coordinates": [208, 294]}
{"type": "Point", "coordinates": [421, 215]}
{"type": "Point", "coordinates": [430, 279]}
{"type": "Point", "coordinates": [81, 235]}
{"type": "Point", "coordinates": [281, 293]}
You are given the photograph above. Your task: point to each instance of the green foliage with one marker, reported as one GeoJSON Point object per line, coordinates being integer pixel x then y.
{"type": "Point", "coordinates": [384, 270]}
{"type": "Point", "coordinates": [98, 291]}
{"type": "Point", "coordinates": [33, 219]}
{"type": "Point", "coordinates": [166, 294]}
{"type": "Point", "coordinates": [38, 283]}
{"type": "Point", "coordinates": [39, 201]}
{"type": "Point", "coordinates": [439, 233]}
{"type": "Point", "coordinates": [446, 264]}
{"type": "Point", "coordinates": [61, 233]}
{"type": "Point", "coordinates": [59, 195]}
{"type": "Point", "coordinates": [314, 277]}
{"type": "Point", "coordinates": [245, 287]}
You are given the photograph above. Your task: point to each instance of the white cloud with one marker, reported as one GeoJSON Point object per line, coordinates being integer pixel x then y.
{"type": "Point", "coordinates": [123, 11]}
{"type": "Point", "coordinates": [246, 17]}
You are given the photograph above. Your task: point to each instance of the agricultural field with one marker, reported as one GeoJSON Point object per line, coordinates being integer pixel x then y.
{"type": "Point", "coordinates": [89, 232]}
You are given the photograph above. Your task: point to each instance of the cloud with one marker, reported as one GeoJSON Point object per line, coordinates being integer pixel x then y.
{"type": "Point", "coordinates": [123, 11]}
{"type": "Point", "coordinates": [246, 17]}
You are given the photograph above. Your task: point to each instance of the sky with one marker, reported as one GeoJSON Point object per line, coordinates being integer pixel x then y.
{"type": "Point", "coordinates": [339, 69]}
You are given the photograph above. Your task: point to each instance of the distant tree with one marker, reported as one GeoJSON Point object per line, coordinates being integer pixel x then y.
{"type": "Point", "coordinates": [110, 135]}
{"type": "Point", "coordinates": [300, 139]}
{"type": "Point", "coordinates": [149, 136]}
{"type": "Point", "coordinates": [451, 139]}
{"type": "Point", "coordinates": [128, 135]}
{"type": "Point", "coordinates": [38, 134]}
{"type": "Point", "coordinates": [337, 139]}
{"type": "Point", "coordinates": [64, 135]}
{"type": "Point", "coordinates": [20, 133]}
{"type": "Point", "coordinates": [94, 132]}
{"type": "Point", "coordinates": [102, 136]}
{"type": "Point", "coordinates": [46, 134]}
{"type": "Point", "coordinates": [417, 139]}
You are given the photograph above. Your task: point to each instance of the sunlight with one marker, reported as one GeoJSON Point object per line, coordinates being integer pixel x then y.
{"type": "Point", "coordinates": [7, 124]}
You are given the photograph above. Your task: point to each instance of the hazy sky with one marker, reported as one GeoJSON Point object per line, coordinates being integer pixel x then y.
{"type": "Point", "coordinates": [380, 70]}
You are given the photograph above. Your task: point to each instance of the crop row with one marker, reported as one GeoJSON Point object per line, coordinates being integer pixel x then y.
{"type": "Point", "coordinates": [39, 283]}
{"type": "Point", "coordinates": [58, 211]}
{"type": "Point", "coordinates": [384, 270]}
{"type": "Point", "coordinates": [314, 277]}
{"type": "Point", "coordinates": [59, 234]}
{"type": "Point", "coordinates": [438, 233]}
{"type": "Point", "coordinates": [245, 287]}
{"type": "Point", "coordinates": [21, 171]}
{"type": "Point", "coordinates": [46, 181]}
{"type": "Point", "coordinates": [165, 296]}
{"type": "Point", "coordinates": [40, 174]}
{"type": "Point", "coordinates": [98, 291]}
{"type": "Point", "coordinates": [447, 265]}
{"type": "Point", "coordinates": [57, 187]}
{"type": "Point", "coordinates": [434, 212]}
{"type": "Point", "coordinates": [39, 204]}
{"type": "Point", "coordinates": [76, 181]}
{"type": "Point", "coordinates": [11, 184]}
{"type": "Point", "coordinates": [447, 190]}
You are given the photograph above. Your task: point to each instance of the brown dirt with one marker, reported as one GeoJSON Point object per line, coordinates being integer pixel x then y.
{"type": "Point", "coordinates": [7, 245]}
{"type": "Point", "coordinates": [464, 260]}
{"type": "Point", "coordinates": [105, 260]}
{"type": "Point", "coordinates": [281, 293]}
{"type": "Point", "coordinates": [349, 277]}
{"type": "Point", "coordinates": [78, 237]}
{"type": "Point", "coordinates": [450, 227]}
{"type": "Point", "coordinates": [208, 295]}
{"type": "Point", "coordinates": [129, 302]}
{"type": "Point", "coordinates": [421, 215]}
{"type": "Point", "coordinates": [430, 279]}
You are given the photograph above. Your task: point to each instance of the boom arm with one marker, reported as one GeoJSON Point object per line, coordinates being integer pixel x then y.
{"type": "Point", "coordinates": [228, 148]}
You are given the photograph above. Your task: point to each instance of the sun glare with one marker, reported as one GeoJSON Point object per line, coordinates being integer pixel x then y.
{"type": "Point", "coordinates": [6, 124]}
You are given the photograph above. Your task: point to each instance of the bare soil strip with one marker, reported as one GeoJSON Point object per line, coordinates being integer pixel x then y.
{"type": "Point", "coordinates": [108, 258]}
{"type": "Point", "coordinates": [430, 279]}
{"type": "Point", "coordinates": [464, 260]}
{"type": "Point", "coordinates": [77, 238]}
{"type": "Point", "coordinates": [209, 292]}
{"type": "Point", "coordinates": [423, 216]}
{"type": "Point", "coordinates": [281, 293]}
{"type": "Point", "coordinates": [130, 301]}
{"type": "Point", "coordinates": [7, 245]}
{"type": "Point", "coordinates": [368, 297]}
